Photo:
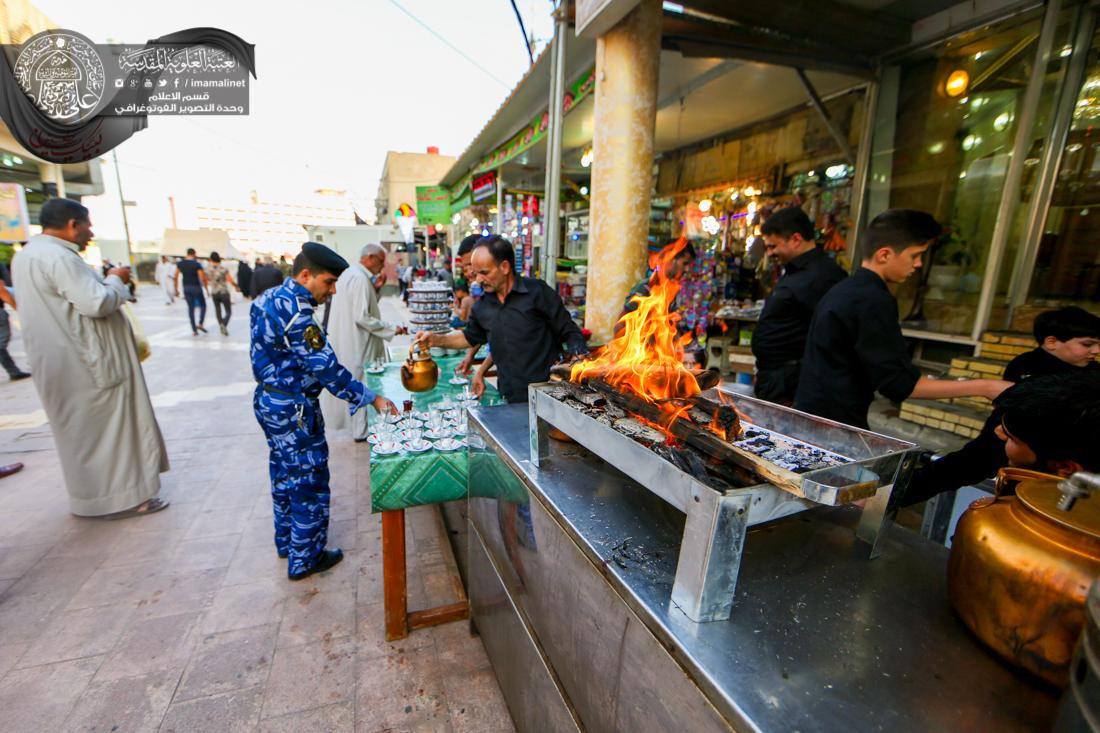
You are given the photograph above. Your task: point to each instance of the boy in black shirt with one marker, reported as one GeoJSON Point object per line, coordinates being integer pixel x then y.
{"type": "Point", "coordinates": [1048, 423]}
{"type": "Point", "coordinates": [855, 345]}
{"type": "Point", "coordinates": [1068, 338]}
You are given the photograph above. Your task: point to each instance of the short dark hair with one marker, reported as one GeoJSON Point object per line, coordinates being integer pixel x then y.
{"type": "Point", "coordinates": [788, 222]}
{"type": "Point", "coordinates": [898, 229]}
{"type": "Point", "coordinates": [215, 257]}
{"type": "Point", "coordinates": [58, 212]}
{"type": "Point", "coordinates": [499, 247]}
{"type": "Point", "coordinates": [467, 244]}
{"type": "Point", "coordinates": [190, 251]}
{"type": "Point", "coordinates": [461, 285]}
{"type": "Point", "coordinates": [1057, 416]}
{"type": "Point", "coordinates": [1066, 323]}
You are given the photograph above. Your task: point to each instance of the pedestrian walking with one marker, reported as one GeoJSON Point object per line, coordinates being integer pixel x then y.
{"type": "Point", "coordinates": [265, 277]}
{"type": "Point", "coordinates": [7, 299]}
{"type": "Point", "coordinates": [190, 270]}
{"type": "Point", "coordinates": [85, 363]}
{"type": "Point", "coordinates": [220, 281]}
{"type": "Point", "coordinates": [244, 278]}
{"type": "Point", "coordinates": [166, 279]}
{"type": "Point", "coordinates": [444, 272]}
{"type": "Point", "coordinates": [357, 332]}
{"type": "Point", "coordinates": [292, 362]}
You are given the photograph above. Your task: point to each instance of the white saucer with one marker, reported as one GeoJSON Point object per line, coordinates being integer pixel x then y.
{"type": "Point", "coordinates": [458, 381]}
{"type": "Point", "coordinates": [407, 435]}
{"type": "Point", "coordinates": [420, 447]}
{"type": "Point", "coordinates": [388, 448]}
{"type": "Point", "coordinates": [375, 370]}
{"type": "Point", "coordinates": [449, 444]}
{"type": "Point", "coordinates": [441, 432]}
{"type": "Point", "coordinates": [409, 424]}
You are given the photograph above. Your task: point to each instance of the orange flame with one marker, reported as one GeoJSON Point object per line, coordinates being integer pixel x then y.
{"type": "Point", "coordinates": [646, 357]}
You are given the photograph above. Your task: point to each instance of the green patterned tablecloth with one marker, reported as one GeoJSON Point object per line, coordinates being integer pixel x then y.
{"type": "Point", "coordinates": [408, 480]}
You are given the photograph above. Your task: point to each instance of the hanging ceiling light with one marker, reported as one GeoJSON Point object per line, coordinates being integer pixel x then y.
{"type": "Point", "coordinates": [704, 205]}
{"type": "Point", "coordinates": [958, 81]}
{"type": "Point", "coordinates": [586, 157]}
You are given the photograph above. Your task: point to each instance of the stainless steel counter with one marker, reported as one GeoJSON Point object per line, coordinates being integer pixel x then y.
{"type": "Point", "coordinates": [571, 570]}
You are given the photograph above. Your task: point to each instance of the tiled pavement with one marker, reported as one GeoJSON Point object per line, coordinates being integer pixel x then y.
{"type": "Point", "coordinates": [184, 620]}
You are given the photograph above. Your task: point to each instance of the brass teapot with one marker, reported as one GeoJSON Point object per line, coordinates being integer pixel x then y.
{"type": "Point", "coordinates": [419, 373]}
{"type": "Point", "coordinates": [1021, 566]}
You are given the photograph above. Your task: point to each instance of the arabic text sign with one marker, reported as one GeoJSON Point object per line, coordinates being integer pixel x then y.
{"type": "Point", "coordinates": [433, 205]}
{"type": "Point", "coordinates": [166, 79]}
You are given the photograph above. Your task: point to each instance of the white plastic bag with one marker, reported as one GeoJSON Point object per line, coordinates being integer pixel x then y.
{"type": "Point", "coordinates": [140, 339]}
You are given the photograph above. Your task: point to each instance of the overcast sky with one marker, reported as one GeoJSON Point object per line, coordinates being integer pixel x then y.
{"type": "Point", "coordinates": [339, 82]}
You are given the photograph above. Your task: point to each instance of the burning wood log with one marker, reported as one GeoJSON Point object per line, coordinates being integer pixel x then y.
{"type": "Point", "coordinates": [701, 438]}
{"type": "Point", "coordinates": [706, 379]}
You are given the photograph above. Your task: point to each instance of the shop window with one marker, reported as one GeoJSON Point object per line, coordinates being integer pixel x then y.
{"type": "Point", "coordinates": [945, 148]}
{"type": "Point", "coordinates": [1065, 261]}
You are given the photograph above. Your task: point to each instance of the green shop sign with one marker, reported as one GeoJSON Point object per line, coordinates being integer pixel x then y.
{"type": "Point", "coordinates": [433, 205]}
{"type": "Point", "coordinates": [526, 138]}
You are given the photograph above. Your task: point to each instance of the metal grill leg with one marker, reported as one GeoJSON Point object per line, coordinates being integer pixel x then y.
{"type": "Point", "coordinates": [876, 519]}
{"type": "Point", "coordinates": [710, 554]}
{"type": "Point", "coordinates": [540, 431]}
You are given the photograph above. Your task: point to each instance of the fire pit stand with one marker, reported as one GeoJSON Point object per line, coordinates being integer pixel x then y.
{"type": "Point", "coordinates": [717, 521]}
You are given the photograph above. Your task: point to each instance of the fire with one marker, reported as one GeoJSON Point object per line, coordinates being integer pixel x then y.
{"type": "Point", "coordinates": [646, 357]}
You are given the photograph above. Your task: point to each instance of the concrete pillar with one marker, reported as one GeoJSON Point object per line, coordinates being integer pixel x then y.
{"type": "Point", "coordinates": [627, 64]}
{"type": "Point", "coordinates": [53, 179]}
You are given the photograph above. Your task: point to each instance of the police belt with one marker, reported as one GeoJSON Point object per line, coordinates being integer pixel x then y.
{"type": "Point", "coordinates": [276, 390]}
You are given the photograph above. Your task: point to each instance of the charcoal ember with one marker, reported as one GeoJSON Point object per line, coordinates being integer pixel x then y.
{"type": "Point", "coordinates": [786, 453]}
{"type": "Point", "coordinates": [614, 410]}
{"type": "Point", "coordinates": [728, 422]}
{"type": "Point", "coordinates": [627, 553]}
{"type": "Point", "coordinates": [638, 431]}
{"type": "Point", "coordinates": [604, 419]}
{"type": "Point", "coordinates": [592, 399]}
{"type": "Point", "coordinates": [689, 462]}
{"type": "Point", "coordinates": [570, 402]}
{"type": "Point", "coordinates": [558, 393]}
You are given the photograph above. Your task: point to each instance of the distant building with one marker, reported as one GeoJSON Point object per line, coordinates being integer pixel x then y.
{"type": "Point", "coordinates": [402, 173]}
{"type": "Point", "coordinates": [274, 227]}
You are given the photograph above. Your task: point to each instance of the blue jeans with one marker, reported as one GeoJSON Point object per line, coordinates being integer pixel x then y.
{"type": "Point", "coordinates": [195, 299]}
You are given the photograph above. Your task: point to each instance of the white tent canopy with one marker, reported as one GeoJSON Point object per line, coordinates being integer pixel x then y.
{"type": "Point", "coordinates": [203, 241]}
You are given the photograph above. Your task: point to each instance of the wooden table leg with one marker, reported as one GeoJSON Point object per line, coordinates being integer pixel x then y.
{"type": "Point", "coordinates": [394, 581]}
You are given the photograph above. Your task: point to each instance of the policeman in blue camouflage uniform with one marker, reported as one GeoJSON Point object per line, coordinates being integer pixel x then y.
{"type": "Point", "coordinates": [292, 362]}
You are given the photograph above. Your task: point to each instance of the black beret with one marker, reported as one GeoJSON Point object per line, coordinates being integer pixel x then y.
{"type": "Point", "coordinates": [324, 257]}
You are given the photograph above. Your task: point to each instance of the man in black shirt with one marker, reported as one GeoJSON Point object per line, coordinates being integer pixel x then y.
{"type": "Point", "coordinates": [265, 276]}
{"type": "Point", "coordinates": [194, 283]}
{"type": "Point", "coordinates": [780, 336]}
{"type": "Point", "coordinates": [855, 345]}
{"type": "Point", "coordinates": [522, 319]}
{"type": "Point", "coordinates": [244, 279]}
{"type": "Point", "coordinates": [674, 270]}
